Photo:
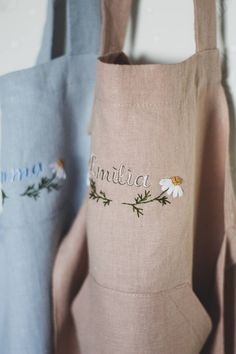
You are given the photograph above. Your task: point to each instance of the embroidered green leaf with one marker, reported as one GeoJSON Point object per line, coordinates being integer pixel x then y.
{"type": "Point", "coordinates": [164, 200]}
{"type": "Point", "coordinates": [31, 192]}
{"type": "Point", "coordinates": [4, 196]}
{"type": "Point", "coordinates": [145, 199]}
{"type": "Point", "coordinates": [101, 196]}
{"type": "Point", "coordinates": [49, 184]}
{"type": "Point", "coordinates": [46, 183]}
{"type": "Point", "coordinates": [137, 210]}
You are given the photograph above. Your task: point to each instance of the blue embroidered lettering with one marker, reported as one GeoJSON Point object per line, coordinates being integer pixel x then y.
{"type": "Point", "coordinates": [19, 174]}
{"type": "Point", "coordinates": [22, 173]}
{"type": "Point", "coordinates": [37, 169]}
{"type": "Point", "coordinates": [3, 177]}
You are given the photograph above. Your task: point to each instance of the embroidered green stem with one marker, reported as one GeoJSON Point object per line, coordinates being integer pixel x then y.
{"type": "Point", "coordinates": [49, 184]}
{"type": "Point", "coordinates": [145, 199]}
{"type": "Point", "coordinates": [98, 196]}
{"type": "Point", "coordinates": [4, 196]}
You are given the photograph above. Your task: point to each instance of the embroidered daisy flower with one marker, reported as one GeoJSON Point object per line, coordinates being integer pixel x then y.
{"type": "Point", "coordinates": [173, 186]}
{"type": "Point", "coordinates": [58, 169]}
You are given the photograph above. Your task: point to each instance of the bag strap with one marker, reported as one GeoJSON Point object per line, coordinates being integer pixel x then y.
{"type": "Point", "coordinates": [116, 14]}
{"type": "Point", "coordinates": [84, 22]}
{"type": "Point", "coordinates": [76, 27]}
{"type": "Point", "coordinates": [205, 24]}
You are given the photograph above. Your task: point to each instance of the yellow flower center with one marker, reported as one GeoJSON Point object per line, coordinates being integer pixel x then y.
{"type": "Point", "coordinates": [60, 163]}
{"type": "Point", "coordinates": [176, 180]}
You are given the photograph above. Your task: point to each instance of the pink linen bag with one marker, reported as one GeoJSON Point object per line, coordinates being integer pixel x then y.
{"type": "Point", "coordinates": [155, 221]}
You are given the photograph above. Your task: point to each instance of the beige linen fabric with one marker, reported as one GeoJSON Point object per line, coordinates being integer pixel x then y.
{"type": "Point", "coordinates": [155, 277]}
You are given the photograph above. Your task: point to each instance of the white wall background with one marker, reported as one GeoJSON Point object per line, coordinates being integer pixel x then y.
{"type": "Point", "coordinates": [21, 27]}
{"type": "Point", "coordinates": [164, 33]}
{"type": "Point", "coordinates": [164, 30]}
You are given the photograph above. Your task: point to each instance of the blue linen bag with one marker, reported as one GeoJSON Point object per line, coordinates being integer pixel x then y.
{"type": "Point", "coordinates": [44, 154]}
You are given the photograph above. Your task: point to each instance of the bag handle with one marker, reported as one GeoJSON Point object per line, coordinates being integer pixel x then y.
{"type": "Point", "coordinates": [76, 27]}
{"type": "Point", "coordinates": [116, 14]}
{"type": "Point", "coordinates": [84, 21]}
{"type": "Point", "coordinates": [205, 24]}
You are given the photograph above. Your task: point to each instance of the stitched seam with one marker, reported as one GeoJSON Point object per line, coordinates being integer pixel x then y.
{"type": "Point", "coordinates": [131, 104]}
{"type": "Point", "coordinates": [144, 105]}
{"type": "Point", "coordinates": [139, 294]}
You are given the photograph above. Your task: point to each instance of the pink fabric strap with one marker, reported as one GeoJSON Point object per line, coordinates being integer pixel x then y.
{"type": "Point", "coordinates": [115, 15]}
{"type": "Point", "coordinates": [205, 24]}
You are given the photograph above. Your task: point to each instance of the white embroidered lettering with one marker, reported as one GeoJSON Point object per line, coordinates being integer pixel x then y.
{"type": "Point", "coordinates": [117, 175]}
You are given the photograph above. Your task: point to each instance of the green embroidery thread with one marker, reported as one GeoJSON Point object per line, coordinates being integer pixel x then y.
{"type": "Point", "coordinates": [171, 186]}
{"type": "Point", "coordinates": [45, 183]}
{"type": "Point", "coordinates": [49, 184]}
{"type": "Point", "coordinates": [4, 196]}
{"type": "Point", "coordinates": [101, 196]}
{"type": "Point", "coordinates": [145, 199]}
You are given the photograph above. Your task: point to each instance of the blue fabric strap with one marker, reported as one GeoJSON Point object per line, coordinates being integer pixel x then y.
{"type": "Point", "coordinates": [83, 26]}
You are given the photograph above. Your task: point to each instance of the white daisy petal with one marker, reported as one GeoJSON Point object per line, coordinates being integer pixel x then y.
{"type": "Point", "coordinates": [168, 183]}
{"type": "Point", "coordinates": [163, 181]}
{"type": "Point", "coordinates": [171, 189]}
{"type": "Point", "coordinates": [58, 169]}
{"type": "Point", "coordinates": [175, 192]}
{"type": "Point", "coordinates": [61, 174]}
{"type": "Point", "coordinates": [180, 192]}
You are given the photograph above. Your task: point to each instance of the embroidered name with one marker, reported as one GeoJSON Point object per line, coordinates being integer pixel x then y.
{"type": "Point", "coordinates": [20, 174]}
{"type": "Point", "coordinates": [118, 175]}
{"type": "Point", "coordinates": [48, 183]}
